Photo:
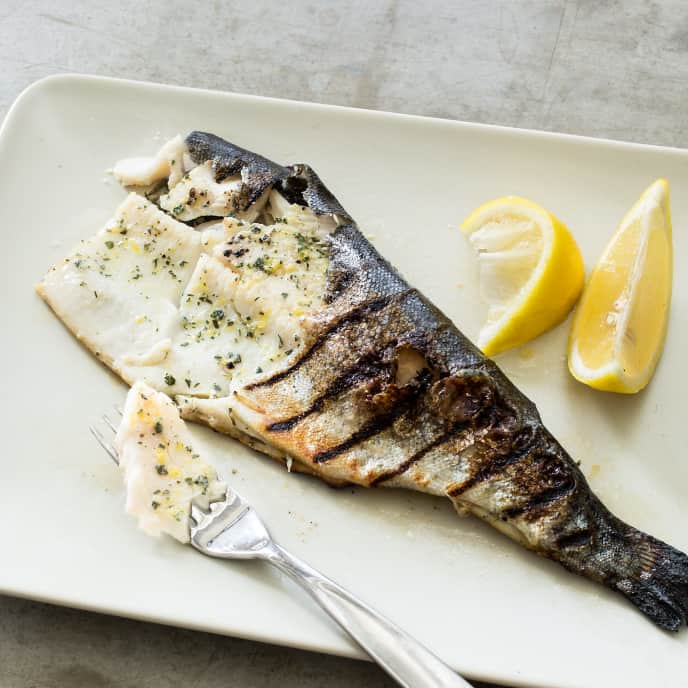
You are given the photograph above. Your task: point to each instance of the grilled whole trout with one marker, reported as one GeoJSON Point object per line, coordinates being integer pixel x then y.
{"type": "Point", "coordinates": [293, 335]}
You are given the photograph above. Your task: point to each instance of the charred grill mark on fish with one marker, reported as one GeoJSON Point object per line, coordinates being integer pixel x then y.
{"type": "Point", "coordinates": [353, 316]}
{"type": "Point", "coordinates": [404, 466]}
{"type": "Point", "coordinates": [392, 402]}
{"type": "Point", "coordinates": [494, 462]}
{"type": "Point", "coordinates": [578, 538]}
{"type": "Point", "coordinates": [364, 369]}
{"type": "Point", "coordinates": [541, 499]}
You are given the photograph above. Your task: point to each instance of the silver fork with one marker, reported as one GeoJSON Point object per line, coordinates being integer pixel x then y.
{"type": "Point", "coordinates": [232, 529]}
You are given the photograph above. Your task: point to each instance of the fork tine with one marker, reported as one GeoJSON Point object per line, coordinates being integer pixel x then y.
{"type": "Point", "coordinates": [197, 513]}
{"type": "Point", "coordinates": [104, 443]}
{"type": "Point", "coordinates": [109, 423]}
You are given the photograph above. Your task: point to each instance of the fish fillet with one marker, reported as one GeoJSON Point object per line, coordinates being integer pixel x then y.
{"type": "Point", "coordinates": [268, 316]}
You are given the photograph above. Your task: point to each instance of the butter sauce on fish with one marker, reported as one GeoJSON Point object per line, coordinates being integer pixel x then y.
{"type": "Point", "coordinates": [245, 290]}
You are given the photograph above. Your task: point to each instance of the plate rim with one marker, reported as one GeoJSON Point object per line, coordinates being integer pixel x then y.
{"type": "Point", "coordinates": [543, 134]}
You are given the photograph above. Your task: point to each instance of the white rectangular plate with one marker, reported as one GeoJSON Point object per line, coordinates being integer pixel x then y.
{"type": "Point", "coordinates": [491, 609]}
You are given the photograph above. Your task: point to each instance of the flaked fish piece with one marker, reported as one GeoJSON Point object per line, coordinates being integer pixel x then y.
{"type": "Point", "coordinates": [353, 375]}
{"type": "Point", "coordinates": [162, 471]}
{"type": "Point", "coordinates": [167, 165]}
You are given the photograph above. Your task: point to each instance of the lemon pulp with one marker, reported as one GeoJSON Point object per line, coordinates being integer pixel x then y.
{"type": "Point", "coordinates": [531, 271]}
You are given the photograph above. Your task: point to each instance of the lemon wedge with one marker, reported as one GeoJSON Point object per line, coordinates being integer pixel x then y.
{"type": "Point", "coordinates": [619, 327]}
{"type": "Point", "coordinates": [531, 271]}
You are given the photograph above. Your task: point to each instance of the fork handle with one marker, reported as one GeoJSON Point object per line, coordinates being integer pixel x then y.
{"type": "Point", "coordinates": [405, 659]}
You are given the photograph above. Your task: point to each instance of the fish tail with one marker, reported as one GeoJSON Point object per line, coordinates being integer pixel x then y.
{"type": "Point", "coordinates": [659, 588]}
{"type": "Point", "coordinates": [647, 571]}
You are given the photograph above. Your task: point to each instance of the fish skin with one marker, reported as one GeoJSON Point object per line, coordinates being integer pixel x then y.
{"type": "Point", "coordinates": [484, 442]}
{"type": "Point", "coordinates": [227, 159]}
{"type": "Point", "coordinates": [297, 183]}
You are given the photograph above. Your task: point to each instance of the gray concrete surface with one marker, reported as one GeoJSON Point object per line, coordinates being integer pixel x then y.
{"type": "Point", "coordinates": [612, 69]}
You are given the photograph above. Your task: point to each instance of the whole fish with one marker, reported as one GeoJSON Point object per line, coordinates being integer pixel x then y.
{"type": "Point", "coordinates": [292, 334]}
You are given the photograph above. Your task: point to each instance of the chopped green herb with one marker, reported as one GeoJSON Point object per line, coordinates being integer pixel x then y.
{"type": "Point", "coordinates": [110, 244]}
{"type": "Point", "coordinates": [169, 379]}
{"type": "Point", "coordinates": [157, 427]}
{"type": "Point", "coordinates": [301, 241]}
{"type": "Point", "coordinates": [202, 481]}
{"type": "Point", "coordinates": [161, 469]}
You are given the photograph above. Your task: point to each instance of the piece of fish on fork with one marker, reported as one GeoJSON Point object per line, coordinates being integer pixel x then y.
{"type": "Point", "coordinates": [231, 529]}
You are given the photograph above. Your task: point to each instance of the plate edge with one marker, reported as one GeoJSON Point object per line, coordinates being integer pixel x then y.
{"type": "Point", "coordinates": [502, 130]}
